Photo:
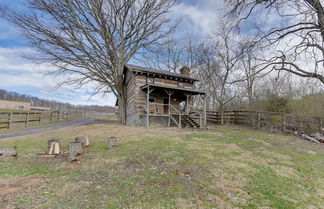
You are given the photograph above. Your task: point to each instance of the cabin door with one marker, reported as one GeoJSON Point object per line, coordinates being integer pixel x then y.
{"type": "Point", "coordinates": [166, 106]}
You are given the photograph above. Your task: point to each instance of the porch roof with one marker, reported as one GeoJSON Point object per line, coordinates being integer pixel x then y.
{"type": "Point", "coordinates": [177, 89]}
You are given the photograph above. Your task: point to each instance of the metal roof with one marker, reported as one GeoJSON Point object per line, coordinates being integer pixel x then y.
{"type": "Point", "coordinates": [136, 68]}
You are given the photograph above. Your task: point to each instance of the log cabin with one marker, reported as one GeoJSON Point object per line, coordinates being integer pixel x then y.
{"type": "Point", "coordinates": [162, 98]}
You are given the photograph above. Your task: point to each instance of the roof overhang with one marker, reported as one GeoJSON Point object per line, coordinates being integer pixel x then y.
{"type": "Point", "coordinates": [176, 89]}
{"type": "Point", "coordinates": [158, 73]}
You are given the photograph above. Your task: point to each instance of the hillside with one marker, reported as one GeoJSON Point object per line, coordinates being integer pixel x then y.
{"type": "Point", "coordinates": [54, 105]}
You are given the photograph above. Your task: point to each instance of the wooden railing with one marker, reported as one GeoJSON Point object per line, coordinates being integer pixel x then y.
{"type": "Point", "coordinates": [10, 120]}
{"type": "Point", "coordinates": [270, 120]}
{"type": "Point", "coordinates": [178, 113]}
{"type": "Point", "coordinates": [174, 112]}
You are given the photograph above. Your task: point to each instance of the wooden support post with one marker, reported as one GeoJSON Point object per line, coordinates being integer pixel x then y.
{"type": "Point", "coordinates": [205, 112]}
{"type": "Point", "coordinates": [27, 118]}
{"type": "Point", "coordinates": [283, 123]}
{"type": "Point", "coordinates": [9, 120]}
{"type": "Point", "coordinates": [169, 93]}
{"type": "Point", "coordinates": [187, 95]}
{"type": "Point", "coordinates": [40, 118]}
{"type": "Point", "coordinates": [319, 125]}
{"type": "Point", "coordinates": [51, 117]}
{"type": "Point", "coordinates": [258, 120]}
{"type": "Point", "coordinates": [148, 107]}
{"type": "Point", "coordinates": [169, 109]}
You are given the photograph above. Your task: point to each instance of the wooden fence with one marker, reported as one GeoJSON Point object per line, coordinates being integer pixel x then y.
{"type": "Point", "coordinates": [10, 120]}
{"type": "Point", "coordinates": [270, 121]}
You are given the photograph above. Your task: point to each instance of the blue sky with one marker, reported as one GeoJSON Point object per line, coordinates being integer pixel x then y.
{"type": "Point", "coordinates": [23, 76]}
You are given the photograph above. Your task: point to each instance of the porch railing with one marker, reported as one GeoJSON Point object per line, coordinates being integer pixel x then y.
{"type": "Point", "coordinates": [174, 112]}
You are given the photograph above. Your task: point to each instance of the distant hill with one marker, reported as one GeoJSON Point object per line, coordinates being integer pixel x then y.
{"type": "Point", "coordinates": [54, 105]}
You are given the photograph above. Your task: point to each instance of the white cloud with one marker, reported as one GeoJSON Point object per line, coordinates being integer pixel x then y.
{"type": "Point", "coordinates": [200, 18]}
{"type": "Point", "coordinates": [20, 75]}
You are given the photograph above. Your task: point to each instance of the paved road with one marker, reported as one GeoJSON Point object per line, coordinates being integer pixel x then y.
{"type": "Point", "coordinates": [39, 129]}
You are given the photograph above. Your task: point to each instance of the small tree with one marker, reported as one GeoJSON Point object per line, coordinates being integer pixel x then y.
{"type": "Point", "coordinates": [92, 40]}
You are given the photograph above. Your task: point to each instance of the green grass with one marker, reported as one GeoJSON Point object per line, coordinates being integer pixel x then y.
{"type": "Point", "coordinates": [153, 168]}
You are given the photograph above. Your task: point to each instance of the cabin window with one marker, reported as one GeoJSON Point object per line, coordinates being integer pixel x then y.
{"type": "Point", "coordinates": [181, 85]}
{"type": "Point", "coordinates": [149, 80]}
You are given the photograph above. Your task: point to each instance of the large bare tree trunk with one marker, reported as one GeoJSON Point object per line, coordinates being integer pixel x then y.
{"type": "Point", "coordinates": [122, 107]}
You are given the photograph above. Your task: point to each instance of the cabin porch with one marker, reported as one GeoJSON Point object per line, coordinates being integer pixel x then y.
{"type": "Point", "coordinates": [173, 106]}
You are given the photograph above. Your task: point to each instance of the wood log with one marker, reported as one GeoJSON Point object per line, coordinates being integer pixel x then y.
{"type": "Point", "coordinates": [84, 140]}
{"type": "Point", "coordinates": [76, 151]}
{"type": "Point", "coordinates": [7, 152]}
{"type": "Point", "coordinates": [310, 138]}
{"type": "Point", "coordinates": [111, 142]}
{"type": "Point", "coordinates": [54, 147]}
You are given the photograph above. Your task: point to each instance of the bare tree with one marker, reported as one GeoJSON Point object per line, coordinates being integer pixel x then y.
{"type": "Point", "coordinates": [219, 73]}
{"type": "Point", "coordinates": [250, 67]}
{"type": "Point", "coordinates": [92, 40]}
{"type": "Point", "coordinates": [174, 53]}
{"type": "Point", "coordinates": [298, 35]}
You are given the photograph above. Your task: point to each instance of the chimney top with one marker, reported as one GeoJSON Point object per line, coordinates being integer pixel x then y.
{"type": "Point", "coordinates": [185, 70]}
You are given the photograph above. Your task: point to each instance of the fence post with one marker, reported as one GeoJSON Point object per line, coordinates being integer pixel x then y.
{"type": "Point", "coordinates": [319, 125]}
{"type": "Point", "coordinates": [10, 120]}
{"type": "Point", "coordinates": [283, 124]}
{"type": "Point", "coordinates": [27, 118]}
{"type": "Point", "coordinates": [40, 117]}
{"type": "Point", "coordinates": [258, 122]}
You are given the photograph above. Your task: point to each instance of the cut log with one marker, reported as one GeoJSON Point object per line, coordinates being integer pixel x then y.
{"type": "Point", "coordinates": [84, 140]}
{"type": "Point", "coordinates": [111, 142]}
{"type": "Point", "coordinates": [7, 152]}
{"type": "Point", "coordinates": [310, 138]}
{"type": "Point", "coordinates": [53, 147]}
{"type": "Point", "coordinates": [76, 151]}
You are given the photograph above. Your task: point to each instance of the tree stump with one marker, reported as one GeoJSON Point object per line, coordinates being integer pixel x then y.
{"type": "Point", "coordinates": [111, 142]}
{"type": "Point", "coordinates": [8, 152]}
{"type": "Point", "coordinates": [84, 140]}
{"type": "Point", "coordinates": [54, 147]}
{"type": "Point", "coordinates": [75, 151]}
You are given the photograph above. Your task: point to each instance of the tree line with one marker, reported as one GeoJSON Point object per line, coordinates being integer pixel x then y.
{"type": "Point", "coordinates": [53, 105]}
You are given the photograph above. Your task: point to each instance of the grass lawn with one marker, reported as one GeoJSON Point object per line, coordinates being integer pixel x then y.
{"type": "Point", "coordinates": [227, 167]}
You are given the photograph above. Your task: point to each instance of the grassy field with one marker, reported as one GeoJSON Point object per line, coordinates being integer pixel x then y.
{"type": "Point", "coordinates": [225, 167]}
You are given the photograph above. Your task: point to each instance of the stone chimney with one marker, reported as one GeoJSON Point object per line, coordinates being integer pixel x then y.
{"type": "Point", "coordinates": [185, 70]}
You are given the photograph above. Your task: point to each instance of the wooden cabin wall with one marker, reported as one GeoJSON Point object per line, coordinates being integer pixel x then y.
{"type": "Point", "coordinates": [131, 114]}
{"type": "Point", "coordinates": [136, 98]}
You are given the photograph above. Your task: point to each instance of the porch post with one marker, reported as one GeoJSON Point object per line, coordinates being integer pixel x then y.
{"type": "Point", "coordinates": [187, 103]}
{"type": "Point", "coordinates": [169, 108]}
{"type": "Point", "coordinates": [205, 111]}
{"type": "Point", "coordinates": [147, 107]}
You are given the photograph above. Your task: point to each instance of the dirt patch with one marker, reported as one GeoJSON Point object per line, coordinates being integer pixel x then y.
{"type": "Point", "coordinates": [11, 189]}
